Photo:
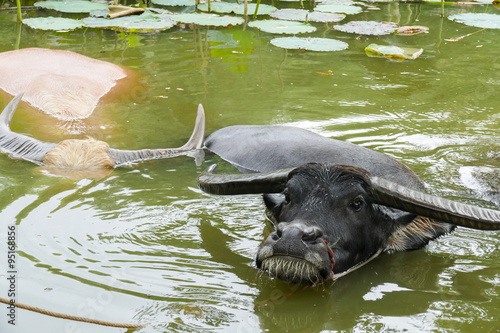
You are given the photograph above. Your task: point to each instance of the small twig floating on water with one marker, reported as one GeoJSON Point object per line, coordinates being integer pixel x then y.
{"type": "Point", "coordinates": [456, 39]}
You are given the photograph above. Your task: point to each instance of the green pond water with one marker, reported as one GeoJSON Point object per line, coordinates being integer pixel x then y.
{"type": "Point", "coordinates": [143, 244]}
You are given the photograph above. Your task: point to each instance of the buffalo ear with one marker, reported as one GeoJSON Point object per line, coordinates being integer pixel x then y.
{"type": "Point", "coordinates": [407, 231]}
{"type": "Point", "coordinates": [274, 202]}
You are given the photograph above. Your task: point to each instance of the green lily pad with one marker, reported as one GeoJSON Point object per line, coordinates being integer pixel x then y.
{"type": "Point", "coordinates": [480, 20]}
{"type": "Point", "coordinates": [146, 22]}
{"type": "Point", "coordinates": [99, 13]}
{"type": "Point", "coordinates": [310, 44]}
{"type": "Point", "coordinates": [392, 52]}
{"type": "Point", "coordinates": [206, 19]}
{"type": "Point", "coordinates": [342, 9]}
{"type": "Point", "coordinates": [72, 6]}
{"type": "Point", "coordinates": [239, 9]}
{"type": "Point", "coordinates": [282, 26]}
{"type": "Point", "coordinates": [305, 15]}
{"type": "Point", "coordinates": [336, 2]}
{"type": "Point", "coordinates": [367, 28]}
{"type": "Point", "coordinates": [174, 3]}
{"type": "Point", "coordinates": [53, 23]}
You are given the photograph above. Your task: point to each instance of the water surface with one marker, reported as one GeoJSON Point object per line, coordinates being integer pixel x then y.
{"type": "Point", "coordinates": [144, 244]}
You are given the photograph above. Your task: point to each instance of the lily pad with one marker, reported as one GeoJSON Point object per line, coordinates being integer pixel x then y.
{"type": "Point", "coordinates": [282, 26]}
{"type": "Point", "coordinates": [174, 3]}
{"type": "Point", "coordinates": [205, 19]}
{"type": "Point", "coordinates": [146, 22]}
{"type": "Point", "coordinates": [53, 23]}
{"type": "Point", "coordinates": [342, 9]}
{"type": "Point", "coordinates": [367, 28]}
{"type": "Point", "coordinates": [310, 44]}
{"type": "Point", "coordinates": [336, 2]}
{"type": "Point", "coordinates": [480, 20]}
{"type": "Point", "coordinates": [393, 52]}
{"type": "Point", "coordinates": [305, 15]}
{"type": "Point", "coordinates": [72, 6]}
{"type": "Point", "coordinates": [119, 11]}
{"type": "Point", "coordinates": [239, 9]}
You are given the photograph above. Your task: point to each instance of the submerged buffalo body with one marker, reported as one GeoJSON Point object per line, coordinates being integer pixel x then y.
{"type": "Point", "coordinates": [64, 84]}
{"type": "Point", "coordinates": [81, 154]}
{"type": "Point", "coordinates": [334, 205]}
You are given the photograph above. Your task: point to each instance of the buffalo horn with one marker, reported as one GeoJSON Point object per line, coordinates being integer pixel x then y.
{"type": "Point", "coordinates": [394, 195]}
{"type": "Point", "coordinates": [253, 183]}
{"type": "Point", "coordinates": [195, 142]}
{"type": "Point", "coordinates": [19, 145]}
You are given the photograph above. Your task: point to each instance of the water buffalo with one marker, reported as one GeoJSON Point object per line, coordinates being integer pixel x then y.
{"type": "Point", "coordinates": [88, 153]}
{"type": "Point", "coordinates": [334, 205]}
{"type": "Point", "coordinates": [64, 84]}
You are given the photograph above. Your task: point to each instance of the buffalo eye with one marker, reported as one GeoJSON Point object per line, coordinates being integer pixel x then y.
{"type": "Point", "coordinates": [357, 204]}
{"type": "Point", "coordinates": [287, 196]}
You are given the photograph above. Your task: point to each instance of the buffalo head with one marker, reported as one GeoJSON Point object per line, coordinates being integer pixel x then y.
{"type": "Point", "coordinates": [330, 219]}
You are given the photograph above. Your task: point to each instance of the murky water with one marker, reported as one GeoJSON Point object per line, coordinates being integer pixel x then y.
{"type": "Point", "coordinates": [144, 245]}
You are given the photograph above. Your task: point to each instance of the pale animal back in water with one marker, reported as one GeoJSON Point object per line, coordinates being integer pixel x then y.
{"type": "Point", "coordinates": [64, 84]}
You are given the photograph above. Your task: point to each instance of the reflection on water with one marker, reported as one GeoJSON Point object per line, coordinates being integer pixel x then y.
{"type": "Point", "coordinates": [143, 244]}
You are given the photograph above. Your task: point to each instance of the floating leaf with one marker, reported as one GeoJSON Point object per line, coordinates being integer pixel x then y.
{"type": "Point", "coordinates": [367, 28]}
{"type": "Point", "coordinates": [73, 6]}
{"type": "Point", "coordinates": [342, 9]}
{"type": "Point", "coordinates": [336, 2]}
{"type": "Point", "coordinates": [205, 19]}
{"type": "Point", "coordinates": [119, 11]}
{"type": "Point", "coordinates": [305, 15]}
{"type": "Point", "coordinates": [393, 52]}
{"type": "Point", "coordinates": [100, 13]}
{"type": "Point", "coordinates": [174, 3]}
{"type": "Point", "coordinates": [480, 20]}
{"type": "Point", "coordinates": [411, 30]}
{"type": "Point", "coordinates": [282, 26]}
{"type": "Point", "coordinates": [310, 44]}
{"type": "Point", "coordinates": [146, 22]}
{"type": "Point", "coordinates": [53, 23]}
{"type": "Point", "coordinates": [239, 9]}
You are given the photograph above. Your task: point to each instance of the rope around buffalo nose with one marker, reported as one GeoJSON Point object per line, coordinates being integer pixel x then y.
{"type": "Point", "coordinates": [70, 317]}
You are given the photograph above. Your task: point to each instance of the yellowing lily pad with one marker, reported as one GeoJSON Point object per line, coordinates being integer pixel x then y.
{"type": "Point", "coordinates": [282, 26]}
{"type": "Point", "coordinates": [206, 19]}
{"type": "Point", "coordinates": [146, 22]}
{"type": "Point", "coordinates": [72, 6]}
{"type": "Point", "coordinates": [175, 3]}
{"type": "Point", "coordinates": [367, 28]}
{"type": "Point", "coordinates": [305, 15]}
{"type": "Point", "coordinates": [310, 44]}
{"type": "Point", "coordinates": [480, 20]}
{"type": "Point", "coordinates": [342, 9]}
{"type": "Point", "coordinates": [239, 9]}
{"type": "Point", "coordinates": [119, 11]}
{"type": "Point", "coordinates": [392, 52]}
{"type": "Point", "coordinates": [53, 23]}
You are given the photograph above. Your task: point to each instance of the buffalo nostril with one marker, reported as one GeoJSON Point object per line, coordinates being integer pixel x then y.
{"type": "Point", "coordinates": [311, 234]}
{"type": "Point", "coordinates": [280, 229]}
{"type": "Point", "coordinates": [275, 236]}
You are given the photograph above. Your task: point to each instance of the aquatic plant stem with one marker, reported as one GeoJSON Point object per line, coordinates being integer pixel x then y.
{"type": "Point", "coordinates": [256, 9]}
{"type": "Point", "coordinates": [19, 16]}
